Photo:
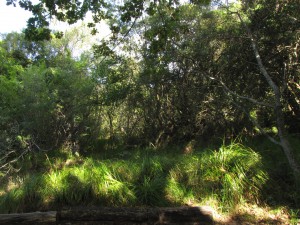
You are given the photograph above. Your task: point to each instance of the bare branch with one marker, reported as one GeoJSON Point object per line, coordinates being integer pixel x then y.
{"type": "Point", "coordinates": [232, 92]}
{"type": "Point", "coordinates": [258, 59]}
{"type": "Point", "coordinates": [240, 96]}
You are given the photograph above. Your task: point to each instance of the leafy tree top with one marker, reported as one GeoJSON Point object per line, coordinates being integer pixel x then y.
{"type": "Point", "coordinates": [72, 11]}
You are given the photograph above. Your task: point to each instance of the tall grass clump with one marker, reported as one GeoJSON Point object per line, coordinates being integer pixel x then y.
{"type": "Point", "coordinates": [282, 188]}
{"type": "Point", "coordinates": [67, 187]}
{"type": "Point", "coordinates": [236, 172]}
{"type": "Point", "coordinates": [90, 183]}
{"type": "Point", "coordinates": [109, 189]}
{"type": "Point", "coordinates": [150, 183]}
{"type": "Point", "coordinates": [25, 195]}
{"type": "Point", "coordinates": [232, 174]}
{"type": "Point", "coordinates": [225, 177]}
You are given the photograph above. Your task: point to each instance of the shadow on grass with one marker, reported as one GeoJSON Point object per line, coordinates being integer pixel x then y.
{"type": "Point", "coordinates": [142, 178]}
{"type": "Point", "coordinates": [89, 184]}
{"type": "Point", "coordinates": [280, 190]}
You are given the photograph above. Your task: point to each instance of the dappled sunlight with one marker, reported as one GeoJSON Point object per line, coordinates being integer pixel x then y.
{"type": "Point", "coordinates": [153, 178]}
{"type": "Point", "coordinates": [184, 103]}
{"type": "Point", "coordinates": [254, 214]}
{"type": "Point", "coordinates": [228, 181]}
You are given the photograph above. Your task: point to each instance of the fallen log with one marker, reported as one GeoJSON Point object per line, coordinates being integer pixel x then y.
{"type": "Point", "coordinates": [29, 218]}
{"type": "Point", "coordinates": [114, 216]}
{"type": "Point", "coordinates": [181, 215]}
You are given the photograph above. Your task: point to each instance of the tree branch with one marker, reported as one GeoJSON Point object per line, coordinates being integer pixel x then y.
{"type": "Point", "coordinates": [261, 130]}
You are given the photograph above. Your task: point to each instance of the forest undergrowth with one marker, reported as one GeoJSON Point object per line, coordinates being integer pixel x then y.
{"type": "Point", "coordinates": [134, 118]}
{"type": "Point", "coordinates": [238, 183]}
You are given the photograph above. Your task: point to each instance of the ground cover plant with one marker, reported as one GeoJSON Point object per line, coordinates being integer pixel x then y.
{"type": "Point", "coordinates": [226, 179]}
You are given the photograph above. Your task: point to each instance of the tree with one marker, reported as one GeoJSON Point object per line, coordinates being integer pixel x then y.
{"type": "Point", "coordinates": [58, 101]}
{"type": "Point", "coordinates": [180, 52]}
{"type": "Point", "coordinates": [46, 103]}
{"type": "Point", "coordinates": [277, 103]}
{"type": "Point", "coordinates": [218, 59]}
{"type": "Point", "coordinates": [10, 85]}
{"type": "Point", "coordinates": [264, 91]}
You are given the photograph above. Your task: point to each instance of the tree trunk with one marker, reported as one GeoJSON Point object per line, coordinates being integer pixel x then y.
{"type": "Point", "coordinates": [284, 143]}
{"type": "Point", "coordinates": [279, 115]}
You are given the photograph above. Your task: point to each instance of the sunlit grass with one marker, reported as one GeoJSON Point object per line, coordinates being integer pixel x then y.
{"type": "Point", "coordinates": [222, 178]}
{"type": "Point", "coordinates": [178, 193]}
{"type": "Point", "coordinates": [233, 173]}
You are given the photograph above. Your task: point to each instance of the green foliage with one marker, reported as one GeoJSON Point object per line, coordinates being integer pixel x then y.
{"type": "Point", "coordinates": [9, 103]}
{"type": "Point", "coordinates": [47, 104]}
{"type": "Point", "coordinates": [234, 173]}
{"type": "Point", "coordinates": [238, 170]}
{"type": "Point", "coordinates": [58, 97]}
{"type": "Point", "coordinates": [147, 178]}
{"type": "Point", "coordinates": [281, 188]}
{"type": "Point", "coordinates": [24, 196]}
{"type": "Point", "coordinates": [150, 183]}
{"type": "Point", "coordinates": [9, 67]}
{"type": "Point", "coordinates": [184, 72]}
{"type": "Point", "coordinates": [294, 216]}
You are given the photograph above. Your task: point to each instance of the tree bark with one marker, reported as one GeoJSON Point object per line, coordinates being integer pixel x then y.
{"type": "Point", "coordinates": [29, 218]}
{"type": "Point", "coordinates": [181, 215]}
{"type": "Point", "coordinates": [116, 216]}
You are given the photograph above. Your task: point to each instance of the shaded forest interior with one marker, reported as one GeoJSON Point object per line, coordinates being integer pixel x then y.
{"type": "Point", "coordinates": [184, 103]}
